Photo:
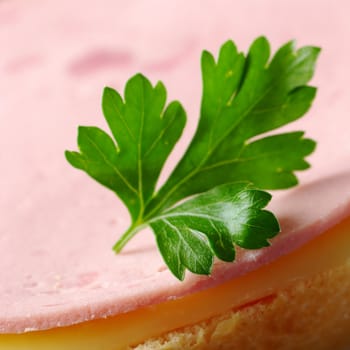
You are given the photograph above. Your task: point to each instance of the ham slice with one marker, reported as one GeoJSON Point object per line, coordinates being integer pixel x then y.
{"type": "Point", "coordinates": [57, 226]}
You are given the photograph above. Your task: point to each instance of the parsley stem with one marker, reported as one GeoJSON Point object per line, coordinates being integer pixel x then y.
{"type": "Point", "coordinates": [125, 238]}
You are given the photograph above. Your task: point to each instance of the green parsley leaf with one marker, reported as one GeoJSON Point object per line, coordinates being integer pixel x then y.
{"type": "Point", "coordinates": [243, 98]}
{"type": "Point", "coordinates": [212, 222]}
{"type": "Point", "coordinates": [145, 133]}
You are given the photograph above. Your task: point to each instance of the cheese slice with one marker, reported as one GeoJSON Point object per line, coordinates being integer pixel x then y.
{"type": "Point", "coordinates": [132, 328]}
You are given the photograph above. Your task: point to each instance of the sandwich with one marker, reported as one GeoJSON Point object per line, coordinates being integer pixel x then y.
{"type": "Point", "coordinates": [282, 284]}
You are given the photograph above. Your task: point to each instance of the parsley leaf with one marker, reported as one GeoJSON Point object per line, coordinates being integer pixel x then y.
{"type": "Point", "coordinates": [145, 133]}
{"type": "Point", "coordinates": [212, 222]}
{"type": "Point", "coordinates": [243, 98]}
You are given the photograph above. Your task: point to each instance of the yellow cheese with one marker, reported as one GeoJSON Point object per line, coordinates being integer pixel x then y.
{"type": "Point", "coordinates": [120, 331]}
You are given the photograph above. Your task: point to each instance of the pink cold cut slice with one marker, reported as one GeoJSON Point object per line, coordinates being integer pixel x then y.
{"type": "Point", "coordinates": [57, 226]}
